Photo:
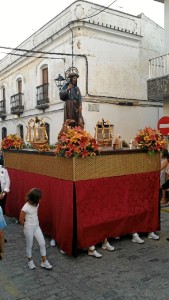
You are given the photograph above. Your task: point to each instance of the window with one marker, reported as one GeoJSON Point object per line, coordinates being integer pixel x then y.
{"type": "Point", "coordinates": [19, 85]}
{"type": "Point", "coordinates": [48, 131]}
{"type": "Point", "coordinates": [17, 100]}
{"type": "Point", "coordinates": [44, 75]}
{"type": "Point", "coordinates": [4, 132]}
{"type": "Point", "coordinates": [42, 90]}
{"type": "Point", "coordinates": [20, 131]}
{"type": "Point", "coordinates": [2, 101]}
{"type": "Point", "coordinates": [3, 93]}
{"type": "Point", "coordinates": [45, 83]}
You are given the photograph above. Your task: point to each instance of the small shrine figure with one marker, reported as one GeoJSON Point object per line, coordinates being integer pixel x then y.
{"type": "Point", "coordinates": [118, 142]}
{"type": "Point", "coordinates": [134, 144]}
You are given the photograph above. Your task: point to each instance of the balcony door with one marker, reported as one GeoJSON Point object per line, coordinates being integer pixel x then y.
{"type": "Point", "coordinates": [44, 75]}
{"type": "Point", "coordinates": [45, 82]}
{"type": "Point", "coordinates": [19, 86]}
{"type": "Point", "coordinates": [42, 90]}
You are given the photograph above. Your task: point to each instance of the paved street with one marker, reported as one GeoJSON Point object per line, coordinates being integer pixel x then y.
{"type": "Point", "coordinates": [132, 271]}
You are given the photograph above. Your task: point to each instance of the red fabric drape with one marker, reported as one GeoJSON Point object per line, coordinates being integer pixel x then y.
{"type": "Point", "coordinates": [111, 207]}
{"type": "Point", "coordinates": [105, 207]}
{"type": "Point", "coordinates": [56, 206]}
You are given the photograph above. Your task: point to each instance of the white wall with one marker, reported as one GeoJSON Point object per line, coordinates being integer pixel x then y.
{"type": "Point", "coordinates": [127, 120]}
{"type": "Point", "coordinates": [166, 25]}
{"type": "Point", "coordinates": [116, 47]}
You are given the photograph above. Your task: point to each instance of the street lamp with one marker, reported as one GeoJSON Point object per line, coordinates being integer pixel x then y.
{"type": "Point", "coordinates": [59, 81]}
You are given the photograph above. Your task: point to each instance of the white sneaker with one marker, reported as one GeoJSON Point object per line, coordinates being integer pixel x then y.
{"type": "Point", "coordinates": [53, 243]}
{"type": "Point", "coordinates": [107, 246]}
{"type": "Point", "coordinates": [46, 265]}
{"type": "Point", "coordinates": [94, 254]}
{"type": "Point", "coordinates": [63, 252]}
{"type": "Point", "coordinates": [153, 236]}
{"type": "Point", "coordinates": [137, 239]}
{"type": "Point", "coordinates": [31, 265]}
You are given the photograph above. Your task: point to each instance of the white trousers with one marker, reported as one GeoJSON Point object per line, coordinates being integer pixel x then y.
{"type": "Point", "coordinates": [30, 233]}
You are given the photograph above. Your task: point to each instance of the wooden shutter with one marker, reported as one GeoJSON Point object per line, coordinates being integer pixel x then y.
{"type": "Point", "coordinates": [45, 76]}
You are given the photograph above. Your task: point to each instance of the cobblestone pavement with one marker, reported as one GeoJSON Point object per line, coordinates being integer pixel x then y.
{"type": "Point", "coordinates": [132, 271]}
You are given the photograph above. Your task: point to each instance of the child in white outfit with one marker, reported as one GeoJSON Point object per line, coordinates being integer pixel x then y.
{"type": "Point", "coordinates": [29, 219]}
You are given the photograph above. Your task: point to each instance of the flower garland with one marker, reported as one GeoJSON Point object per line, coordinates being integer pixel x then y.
{"type": "Point", "coordinates": [12, 141]}
{"type": "Point", "coordinates": [76, 142]}
{"type": "Point", "coordinates": [150, 139]}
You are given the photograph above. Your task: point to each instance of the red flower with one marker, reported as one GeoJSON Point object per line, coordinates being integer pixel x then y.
{"type": "Point", "coordinates": [150, 139]}
{"type": "Point", "coordinates": [76, 142]}
{"type": "Point", "coordinates": [12, 141]}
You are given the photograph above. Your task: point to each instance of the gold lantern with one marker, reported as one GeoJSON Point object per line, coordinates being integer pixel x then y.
{"type": "Point", "coordinates": [37, 135]}
{"type": "Point", "coordinates": [104, 133]}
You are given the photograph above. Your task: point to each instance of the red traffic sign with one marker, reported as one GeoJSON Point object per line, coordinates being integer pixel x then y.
{"type": "Point", "coordinates": [163, 125]}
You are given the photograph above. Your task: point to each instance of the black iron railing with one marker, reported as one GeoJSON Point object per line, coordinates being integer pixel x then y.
{"type": "Point", "coordinates": [17, 107]}
{"type": "Point", "coordinates": [42, 98]}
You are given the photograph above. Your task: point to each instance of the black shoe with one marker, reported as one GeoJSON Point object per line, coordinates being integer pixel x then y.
{"type": "Point", "coordinates": [5, 240]}
{"type": "Point", "coordinates": [167, 239]}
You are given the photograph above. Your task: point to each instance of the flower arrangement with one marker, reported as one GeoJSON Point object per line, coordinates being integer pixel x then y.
{"type": "Point", "coordinates": [76, 142]}
{"type": "Point", "coordinates": [12, 141]}
{"type": "Point", "coordinates": [150, 139]}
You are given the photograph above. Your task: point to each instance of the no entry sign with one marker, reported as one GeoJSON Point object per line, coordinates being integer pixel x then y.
{"type": "Point", "coordinates": [163, 125]}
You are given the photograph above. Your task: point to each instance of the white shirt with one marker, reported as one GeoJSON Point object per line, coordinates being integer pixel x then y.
{"type": "Point", "coordinates": [31, 217]}
{"type": "Point", "coordinates": [4, 179]}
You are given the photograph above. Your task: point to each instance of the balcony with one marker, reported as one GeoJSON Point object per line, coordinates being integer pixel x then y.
{"type": "Point", "coordinates": [17, 107]}
{"type": "Point", "coordinates": [3, 109]}
{"type": "Point", "coordinates": [158, 83]}
{"type": "Point", "coordinates": [42, 96]}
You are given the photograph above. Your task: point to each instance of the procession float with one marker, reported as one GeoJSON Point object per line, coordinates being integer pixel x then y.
{"type": "Point", "coordinates": [91, 189]}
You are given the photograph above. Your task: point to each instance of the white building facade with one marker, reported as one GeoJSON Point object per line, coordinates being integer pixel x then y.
{"type": "Point", "coordinates": [111, 50]}
{"type": "Point", "coordinates": [158, 83]}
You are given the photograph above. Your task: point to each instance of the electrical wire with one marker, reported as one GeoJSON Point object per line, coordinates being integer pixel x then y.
{"type": "Point", "coordinates": [50, 53]}
{"type": "Point", "coordinates": [95, 14]}
{"type": "Point", "coordinates": [32, 51]}
{"type": "Point", "coordinates": [24, 55]}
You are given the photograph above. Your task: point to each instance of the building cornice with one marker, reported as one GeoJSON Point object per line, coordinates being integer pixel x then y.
{"type": "Point", "coordinates": [162, 1]}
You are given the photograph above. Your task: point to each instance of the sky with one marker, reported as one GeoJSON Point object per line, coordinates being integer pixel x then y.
{"type": "Point", "coordinates": [19, 19]}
